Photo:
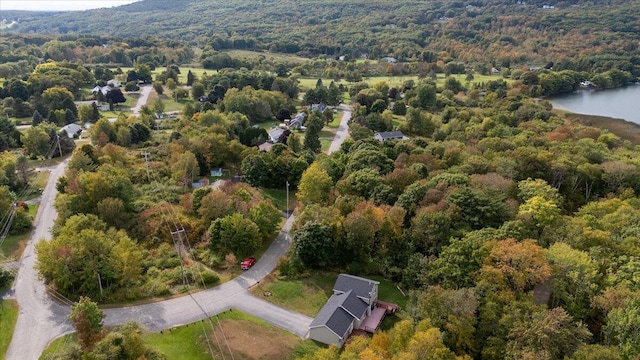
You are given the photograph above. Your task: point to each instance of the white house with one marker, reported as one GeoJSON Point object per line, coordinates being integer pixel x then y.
{"type": "Point", "coordinates": [389, 135]}
{"type": "Point", "coordinates": [347, 309]}
{"type": "Point", "coordinates": [72, 130]}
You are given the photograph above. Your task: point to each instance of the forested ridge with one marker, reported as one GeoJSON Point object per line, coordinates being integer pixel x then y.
{"type": "Point", "coordinates": [502, 33]}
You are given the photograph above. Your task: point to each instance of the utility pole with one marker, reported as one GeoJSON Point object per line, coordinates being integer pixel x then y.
{"type": "Point", "coordinates": [178, 237]}
{"type": "Point", "coordinates": [287, 199]}
{"type": "Point", "coordinates": [146, 163]}
{"type": "Point", "coordinates": [59, 147]}
{"type": "Point", "coordinates": [100, 284]}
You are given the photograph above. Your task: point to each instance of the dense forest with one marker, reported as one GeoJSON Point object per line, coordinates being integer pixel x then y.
{"type": "Point", "coordinates": [514, 230]}
{"type": "Point", "coordinates": [575, 35]}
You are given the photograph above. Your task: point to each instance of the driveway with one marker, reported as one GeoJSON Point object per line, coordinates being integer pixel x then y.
{"type": "Point", "coordinates": [343, 129]}
{"type": "Point", "coordinates": [145, 90]}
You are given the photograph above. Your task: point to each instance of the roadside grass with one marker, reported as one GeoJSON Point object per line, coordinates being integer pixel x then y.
{"type": "Point", "coordinates": [279, 196]}
{"type": "Point", "coordinates": [170, 104]}
{"type": "Point", "coordinates": [326, 137]}
{"type": "Point", "coordinates": [8, 318]}
{"type": "Point", "coordinates": [13, 245]}
{"type": "Point", "coordinates": [184, 342]}
{"type": "Point", "coordinates": [37, 182]}
{"type": "Point", "coordinates": [58, 345]}
{"type": "Point", "coordinates": [335, 123]}
{"type": "Point", "coordinates": [131, 99]}
{"type": "Point", "coordinates": [325, 144]}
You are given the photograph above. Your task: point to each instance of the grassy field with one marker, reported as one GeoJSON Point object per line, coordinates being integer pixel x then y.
{"type": "Point", "coordinates": [275, 57]}
{"type": "Point", "coordinates": [246, 337]}
{"type": "Point", "coordinates": [397, 81]}
{"type": "Point", "coordinates": [182, 77]}
{"type": "Point", "coordinates": [8, 318]}
{"type": "Point", "coordinates": [170, 104]}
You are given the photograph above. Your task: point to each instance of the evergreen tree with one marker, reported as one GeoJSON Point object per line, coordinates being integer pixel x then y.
{"type": "Point", "coordinates": [190, 78]}
{"type": "Point", "coordinates": [51, 117]}
{"type": "Point", "coordinates": [312, 137]}
{"type": "Point", "coordinates": [36, 118]}
{"type": "Point", "coordinates": [96, 112]}
{"type": "Point", "coordinates": [69, 118]}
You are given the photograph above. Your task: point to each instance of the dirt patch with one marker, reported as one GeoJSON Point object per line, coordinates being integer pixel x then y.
{"type": "Point", "coordinates": [250, 341]}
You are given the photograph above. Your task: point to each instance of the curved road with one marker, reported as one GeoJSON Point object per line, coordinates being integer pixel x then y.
{"type": "Point", "coordinates": [41, 319]}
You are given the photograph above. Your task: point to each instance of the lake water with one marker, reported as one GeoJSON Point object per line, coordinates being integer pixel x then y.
{"type": "Point", "coordinates": [622, 103]}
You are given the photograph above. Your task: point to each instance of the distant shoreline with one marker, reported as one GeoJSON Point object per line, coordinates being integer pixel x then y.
{"type": "Point", "coordinates": [624, 129]}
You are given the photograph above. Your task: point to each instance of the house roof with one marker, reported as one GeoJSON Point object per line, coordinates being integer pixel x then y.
{"type": "Point", "coordinates": [339, 312]}
{"type": "Point", "coordinates": [103, 89]}
{"type": "Point", "coordinates": [265, 146]}
{"type": "Point", "coordinates": [275, 133]}
{"type": "Point", "coordinates": [353, 305]}
{"type": "Point", "coordinates": [361, 287]}
{"type": "Point", "coordinates": [71, 129]}
{"type": "Point", "coordinates": [389, 135]}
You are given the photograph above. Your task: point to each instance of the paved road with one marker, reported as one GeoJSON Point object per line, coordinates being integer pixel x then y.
{"type": "Point", "coordinates": [230, 295]}
{"type": "Point", "coordinates": [343, 129]}
{"type": "Point", "coordinates": [145, 90]}
{"type": "Point", "coordinates": [40, 318]}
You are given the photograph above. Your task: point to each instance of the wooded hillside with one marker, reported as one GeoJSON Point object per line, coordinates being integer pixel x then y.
{"type": "Point", "coordinates": [573, 34]}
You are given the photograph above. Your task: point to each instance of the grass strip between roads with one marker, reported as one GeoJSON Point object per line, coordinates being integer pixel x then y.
{"type": "Point", "coordinates": [8, 318]}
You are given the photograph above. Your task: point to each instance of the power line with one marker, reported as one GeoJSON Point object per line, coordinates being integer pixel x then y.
{"type": "Point", "coordinates": [179, 235]}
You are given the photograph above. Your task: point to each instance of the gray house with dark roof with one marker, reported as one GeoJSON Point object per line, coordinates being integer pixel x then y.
{"type": "Point", "coordinates": [352, 300]}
